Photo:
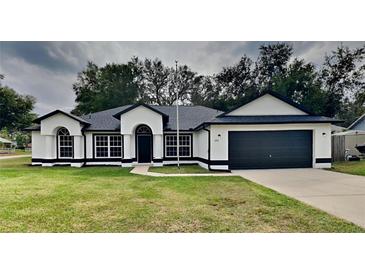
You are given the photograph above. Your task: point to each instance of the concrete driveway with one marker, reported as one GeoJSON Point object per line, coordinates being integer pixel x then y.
{"type": "Point", "coordinates": [342, 195]}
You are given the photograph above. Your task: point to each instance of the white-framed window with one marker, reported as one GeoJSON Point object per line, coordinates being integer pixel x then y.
{"type": "Point", "coordinates": [108, 146]}
{"type": "Point", "coordinates": [65, 144]}
{"type": "Point", "coordinates": [171, 145]}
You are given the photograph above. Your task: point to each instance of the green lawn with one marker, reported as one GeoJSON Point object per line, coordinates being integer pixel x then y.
{"type": "Point", "coordinates": [354, 167]}
{"type": "Point", "coordinates": [182, 169]}
{"type": "Point", "coordinates": [110, 199]}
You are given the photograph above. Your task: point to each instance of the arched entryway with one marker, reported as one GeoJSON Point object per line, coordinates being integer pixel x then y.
{"type": "Point", "coordinates": [144, 144]}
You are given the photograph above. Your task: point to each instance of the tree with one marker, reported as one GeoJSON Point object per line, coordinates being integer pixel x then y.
{"type": "Point", "coordinates": [272, 62]}
{"type": "Point", "coordinates": [300, 82]}
{"type": "Point", "coordinates": [237, 84]}
{"type": "Point", "coordinates": [158, 83]}
{"type": "Point", "coordinates": [343, 80]}
{"type": "Point", "coordinates": [111, 86]}
{"type": "Point", "coordinates": [205, 92]}
{"type": "Point", "coordinates": [15, 109]}
{"type": "Point", "coordinates": [183, 79]}
{"type": "Point", "coordinates": [152, 79]}
{"type": "Point", "coordinates": [86, 89]}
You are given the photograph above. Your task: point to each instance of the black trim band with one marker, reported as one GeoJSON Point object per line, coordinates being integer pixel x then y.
{"type": "Point", "coordinates": [323, 160]}
{"type": "Point", "coordinates": [40, 160]}
{"type": "Point", "coordinates": [131, 160]}
{"type": "Point", "coordinates": [96, 160]}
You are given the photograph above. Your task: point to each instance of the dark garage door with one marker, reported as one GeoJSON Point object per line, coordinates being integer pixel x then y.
{"type": "Point", "coordinates": [270, 149]}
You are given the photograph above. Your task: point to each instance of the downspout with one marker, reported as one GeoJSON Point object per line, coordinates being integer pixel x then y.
{"type": "Point", "coordinates": [208, 146]}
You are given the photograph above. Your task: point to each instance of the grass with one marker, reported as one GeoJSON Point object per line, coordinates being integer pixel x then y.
{"type": "Point", "coordinates": [183, 169]}
{"type": "Point", "coordinates": [350, 167]}
{"type": "Point", "coordinates": [110, 199]}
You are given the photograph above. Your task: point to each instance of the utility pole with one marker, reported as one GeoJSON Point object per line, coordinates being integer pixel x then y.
{"type": "Point", "coordinates": [177, 119]}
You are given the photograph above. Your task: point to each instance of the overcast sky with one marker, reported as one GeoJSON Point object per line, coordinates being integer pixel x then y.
{"type": "Point", "coordinates": [47, 70]}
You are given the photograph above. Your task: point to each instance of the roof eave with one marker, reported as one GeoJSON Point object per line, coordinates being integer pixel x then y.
{"type": "Point", "coordinates": [266, 123]}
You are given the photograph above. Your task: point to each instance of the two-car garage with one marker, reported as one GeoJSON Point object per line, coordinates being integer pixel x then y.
{"type": "Point", "coordinates": [270, 149]}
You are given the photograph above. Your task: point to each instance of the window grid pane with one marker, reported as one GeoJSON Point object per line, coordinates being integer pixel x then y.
{"type": "Point", "coordinates": [107, 146]}
{"type": "Point", "coordinates": [171, 146]}
{"type": "Point", "coordinates": [65, 146]}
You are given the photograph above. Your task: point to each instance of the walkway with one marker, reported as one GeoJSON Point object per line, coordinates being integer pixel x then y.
{"type": "Point", "coordinates": [14, 156]}
{"type": "Point", "coordinates": [143, 170]}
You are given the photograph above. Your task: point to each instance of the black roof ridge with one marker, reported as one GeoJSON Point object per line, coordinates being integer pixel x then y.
{"type": "Point", "coordinates": [72, 116]}
{"type": "Point", "coordinates": [117, 115]}
{"type": "Point", "coordinates": [275, 115]}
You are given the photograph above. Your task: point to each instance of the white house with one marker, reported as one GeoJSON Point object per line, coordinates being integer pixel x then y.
{"type": "Point", "coordinates": [268, 132]}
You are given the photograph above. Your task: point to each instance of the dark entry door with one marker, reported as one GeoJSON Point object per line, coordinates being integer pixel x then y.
{"type": "Point", "coordinates": [270, 149]}
{"type": "Point", "coordinates": [144, 149]}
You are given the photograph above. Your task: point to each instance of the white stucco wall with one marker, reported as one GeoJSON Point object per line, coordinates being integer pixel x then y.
{"type": "Point", "coordinates": [200, 144]}
{"type": "Point", "coordinates": [140, 115]}
{"type": "Point", "coordinates": [50, 125]}
{"type": "Point", "coordinates": [44, 142]}
{"type": "Point", "coordinates": [131, 120]}
{"type": "Point", "coordinates": [267, 105]}
{"type": "Point", "coordinates": [321, 143]}
{"type": "Point", "coordinates": [38, 142]}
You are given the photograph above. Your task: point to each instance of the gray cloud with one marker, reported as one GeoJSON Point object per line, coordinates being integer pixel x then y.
{"type": "Point", "coordinates": [47, 70]}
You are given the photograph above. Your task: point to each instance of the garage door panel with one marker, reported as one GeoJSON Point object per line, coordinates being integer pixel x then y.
{"type": "Point", "coordinates": [270, 149]}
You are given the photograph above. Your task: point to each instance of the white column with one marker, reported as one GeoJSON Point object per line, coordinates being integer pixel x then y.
{"type": "Point", "coordinates": [127, 146]}
{"type": "Point", "coordinates": [158, 148]}
{"type": "Point", "coordinates": [78, 147]}
{"type": "Point", "coordinates": [78, 150]}
{"type": "Point", "coordinates": [49, 148]}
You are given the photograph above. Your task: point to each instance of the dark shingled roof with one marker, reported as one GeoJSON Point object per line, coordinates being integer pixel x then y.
{"type": "Point", "coordinates": [190, 117]}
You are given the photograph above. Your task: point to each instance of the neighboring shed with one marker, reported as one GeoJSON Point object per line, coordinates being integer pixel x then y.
{"type": "Point", "coordinates": [5, 145]}
{"type": "Point", "coordinates": [352, 136]}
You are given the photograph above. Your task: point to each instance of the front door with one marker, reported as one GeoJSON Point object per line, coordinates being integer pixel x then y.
{"type": "Point", "coordinates": [144, 148]}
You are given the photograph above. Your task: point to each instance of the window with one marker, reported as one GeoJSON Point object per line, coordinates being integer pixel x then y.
{"type": "Point", "coordinates": [143, 130]}
{"type": "Point", "coordinates": [108, 146]}
{"type": "Point", "coordinates": [65, 144]}
{"type": "Point", "coordinates": [115, 146]}
{"type": "Point", "coordinates": [184, 145]}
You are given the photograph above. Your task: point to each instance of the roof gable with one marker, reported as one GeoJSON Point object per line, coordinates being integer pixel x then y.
{"type": "Point", "coordinates": [118, 114]}
{"type": "Point", "coordinates": [358, 124]}
{"type": "Point", "coordinates": [39, 119]}
{"type": "Point", "coordinates": [269, 103]}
